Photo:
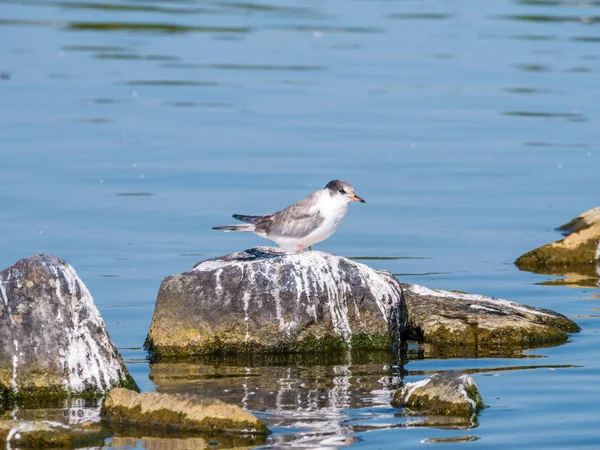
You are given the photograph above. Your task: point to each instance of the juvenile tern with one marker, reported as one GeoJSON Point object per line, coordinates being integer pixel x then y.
{"type": "Point", "coordinates": [305, 223]}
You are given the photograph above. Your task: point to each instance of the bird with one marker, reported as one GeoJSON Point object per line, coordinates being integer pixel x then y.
{"type": "Point", "coordinates": [305, 223]}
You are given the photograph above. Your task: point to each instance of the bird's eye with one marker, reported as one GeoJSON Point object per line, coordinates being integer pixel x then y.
{"type": "Point", "coordinates": [342, 191]}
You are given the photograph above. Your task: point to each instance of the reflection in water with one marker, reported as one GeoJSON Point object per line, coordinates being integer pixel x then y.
{"type": "Point", "coordinates": [551, 19]}
{"type": "Point", "coordinates": [527, 90]}
{"type": "Point", "coordinates": [208, 441]}
{"type": "Point", "coordinates": [321, 394]}
{"type": "Point", "coordinates": [533, 67]}
{"type": "Point", "coordinates": [135, 57]}
{"type": "Point", "coordinates": [576, 280]}
{"type": "Point", "coordinates": [420, 16]}
{"type": "Point", "coordinates": [67, 411]}
{"type": "Point", "coordinates": [133, 26]}
{"type": "Point", "coordinates": [571, 117]}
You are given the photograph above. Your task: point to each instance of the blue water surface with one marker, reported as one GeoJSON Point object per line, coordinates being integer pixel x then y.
{"type": "Point", "coordinates": [128, 128]}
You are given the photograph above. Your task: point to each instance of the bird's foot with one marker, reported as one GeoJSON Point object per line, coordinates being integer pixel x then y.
{"type": "Point", "coordinates": [301, 248]}
{"type": "Point", "coordinates": [310, 248]}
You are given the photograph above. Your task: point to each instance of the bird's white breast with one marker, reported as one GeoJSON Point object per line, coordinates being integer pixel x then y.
{"type": "Point", "coordinates": [333, 211]}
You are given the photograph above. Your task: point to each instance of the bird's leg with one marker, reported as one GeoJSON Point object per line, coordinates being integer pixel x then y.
{"type": "Point", "coordinates": [310, 248]}
{"type": "Point", "coordinates": [301, 249]}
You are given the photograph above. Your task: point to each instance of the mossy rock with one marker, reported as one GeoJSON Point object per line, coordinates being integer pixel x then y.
{"type": "Point", "coordinates": [577, 253]}
{"type": "Point", "coordinates": [450, 393]}
{"type": "Point", "coordinates": [264, 301]}
{"type": "Point", "coordinates": [469, 323]}
{"type": "Point", "coordinates": [124, 409]}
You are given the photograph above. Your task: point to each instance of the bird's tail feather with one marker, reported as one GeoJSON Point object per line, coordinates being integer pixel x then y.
{"type": "Point", "coordinates": [247, 227]}
{"type": "Point", "coordinates": [247, 219]}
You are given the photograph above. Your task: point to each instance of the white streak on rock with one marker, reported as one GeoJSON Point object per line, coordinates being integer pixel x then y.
{"type": "Point", "coordinates": [83, 358]}
{"type": "Point", "coordinates": [5, 299]}
{"type": "Point", "coordinates": [246, 300]}
{"type": "Point", "coordinates": [412, 387]}
{"type": "Point", "coordinates": [313, 273]}
{"type": "Point", "coordinates": [15, 362]}
{"type": "Point", "coordinates": [465, 382]}
{"type": "Point", "coordinates": [422, 290]}
{"type": "Point", "coordinates": [484, 308]}
{"type": "Point", "coordinates": [218, 285]}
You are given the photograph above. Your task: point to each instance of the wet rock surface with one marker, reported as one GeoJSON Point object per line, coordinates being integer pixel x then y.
{"type": "Point", "coordinates": [265, 300]}
{"type": "Point", "coordinates": [54, 342]}
{"type": "Point", "coordinates": [40, 434]}
{"type": "Point", "coordinates": [578, 253]}
{"type": "Point", "coordinates": [124, 409]}
{"type": "Point", "coordinates": [467, 323]}
{"type": "Point", "coordinates": [450, 393]}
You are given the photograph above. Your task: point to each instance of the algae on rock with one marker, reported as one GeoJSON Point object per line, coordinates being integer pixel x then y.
{"type": "Point", "coordinates": [124, 409]}
{"type": "Point", "coordinates": [576, 254]}
{"type": "Point", "coordinates": [450, 393]}
{"type": "Point", "coordinates": [466, 324]}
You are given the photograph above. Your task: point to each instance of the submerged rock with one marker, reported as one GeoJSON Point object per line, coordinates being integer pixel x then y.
{"type": "Point", "coordinates": [265, 300]}
{"type": "Point", "coordinates": [450, 393]}
{"type": "Point", "coordinates": [468, 323]}
{"type": "Point", "coordinates": [123, 409]}
{"type": "Point", "coordinates": [54, 342]}
{"type": "Point", "coordinates": [39, 434]}
{"type": "Point", "coordinates": [579, 252]}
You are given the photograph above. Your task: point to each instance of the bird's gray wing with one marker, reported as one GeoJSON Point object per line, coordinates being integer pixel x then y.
{"type": "Point", "coordinates": [297, 220]}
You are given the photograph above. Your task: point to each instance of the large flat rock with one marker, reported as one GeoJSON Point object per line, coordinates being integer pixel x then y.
{"type": "Point", "coordinates": [468, 323]}
{"type": "Point", "coordinates": [125, 409]}
{"type": "Point", "coordinates": [54, 342]}
{"type": "Point", "coordinates": [266, 300]}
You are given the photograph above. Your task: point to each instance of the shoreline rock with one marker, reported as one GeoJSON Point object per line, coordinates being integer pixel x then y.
{"type": "Point", "coordinates": [125, 409]}
{"type": "Point", "coordinates": [450, 393]}
{"type": "Point", "coordinates": [264, 300]}
{"type": "Point", "coordinates": [579, 252]}
{"type": "Point", "coordinates": [467, 323]}
{"type": "Point", "coordinates": [54, 341]}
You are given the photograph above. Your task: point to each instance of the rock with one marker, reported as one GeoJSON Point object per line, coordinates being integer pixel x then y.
{"type": "Point", "coordinates": [30, 434]}
{"type": "Point", "coordinates": [154, 412]}
{"type": "Point", "coordinates": [54, 342]}
{"type": "Point", "coordinates": [450, 393]}
{"type": "Point", "coordinates": [265, 300]}
{"type": "Point", "coordinates": [578, 253]}
{"type": "Point", "coordinates": [581, 222]}
{"type": "Point", "coordinates": [470, 323]}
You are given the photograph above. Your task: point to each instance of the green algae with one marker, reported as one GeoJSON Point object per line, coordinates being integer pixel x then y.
{"type": "Point", "coordinates": [165, 421]}
{"type": "Point", "coordinates": [306, 342]}
{"type": "Point", "coordinates": [556, 259]}
{"type": "Point", "coordinates": [428, 402]}
{"type": "Point", "coordinates": [473, 394]}
{"type": "Point", "coordinates": [505, 337]}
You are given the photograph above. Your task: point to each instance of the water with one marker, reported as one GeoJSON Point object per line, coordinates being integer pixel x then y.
{"type": "Point", "coordinates": [129, 128]}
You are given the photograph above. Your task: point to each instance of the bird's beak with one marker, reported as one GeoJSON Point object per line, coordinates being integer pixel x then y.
{"type": "Point", "coordinates": [356, 198]}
